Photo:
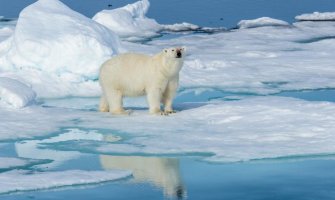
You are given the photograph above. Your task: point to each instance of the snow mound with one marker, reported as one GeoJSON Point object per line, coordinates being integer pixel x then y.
{"type": "Point", "coordinates": [15, 94]}
{"type": "Point", "coordinates": [53, 42]}
{"type": "Point", "coordinates": [15, 181]}
{"type": "Point", "coordinates": [316, 16]}
{"type": "Point", "coordinates": [131, 23]}
{"type": "Point", "coordinates": [260, 22]}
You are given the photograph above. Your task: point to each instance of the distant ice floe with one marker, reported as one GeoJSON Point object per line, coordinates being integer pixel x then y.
{"type": "Point", "coordinates": [15, 94]}
{"type": "Point", "coordinates": [263, 21]}
{"type": "Point", "coordinates": [20, 180]}
{"type": "Point", "coordinates": [261, 60]}
{"type": "Point", "coordinates": [316, 16]}
{"type": "Point", "coordinates": [57, 48]}
{"type": "Point", "coordinates": [10, 162]}
{"type": "Point", "coordinates": [131, 23]}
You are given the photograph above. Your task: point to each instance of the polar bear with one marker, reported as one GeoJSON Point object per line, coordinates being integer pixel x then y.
{"type": "Point", "coordinates": [133, 74]}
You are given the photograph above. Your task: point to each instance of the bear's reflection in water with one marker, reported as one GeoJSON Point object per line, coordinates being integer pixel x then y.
{"type": "Point", "coordinates": [161, 172]}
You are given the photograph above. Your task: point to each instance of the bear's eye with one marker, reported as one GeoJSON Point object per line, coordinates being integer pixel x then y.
{"type": "Point", "coordinates": [172, 49]}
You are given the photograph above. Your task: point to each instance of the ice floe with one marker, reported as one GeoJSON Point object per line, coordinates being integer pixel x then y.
{"type": "Point", "coordinates": [259, 22]}
{"type": "Point", "coordinates": [316, 16]}
{"type": "Point", "coordinates": [248, 129]}
{"type": "Point", "coordinates": [254, 128]}
{"type": "Point", "coordinates": [180, 27]}
{"type": "Point", "coordinates": [131, 23]}
{"type": "Point", "coordinates": [6, 162]}
{"type": "Point", "coordinates": [14, 93]}
{"type": "Point", "coordinates": [53, 44]}
{"type": "Point", "coordinates": [19, 180]}
{"type": "Point", "coordinates": [31, 148]}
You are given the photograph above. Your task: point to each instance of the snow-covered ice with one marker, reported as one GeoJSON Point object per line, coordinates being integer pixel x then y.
{"type": "Point", "coordinates": [56, 49]}
{"type": "Point", "coordinates": [15, 94]}
{"type": "Point", "coordinates": [259, 22]}
{"type": "Point", "coordinates": [19, 180]}
{"type": "Point", "coordinates": [22, 123]}
{"type": "Point", "coordinates": [316, 16]}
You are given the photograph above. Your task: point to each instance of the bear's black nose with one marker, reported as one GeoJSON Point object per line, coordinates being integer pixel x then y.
{"type": "Point", "coordinates": [178, 54]}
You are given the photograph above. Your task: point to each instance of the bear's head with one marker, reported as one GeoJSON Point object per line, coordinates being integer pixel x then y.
{"type": "Point", "coordinates": [175, 52]}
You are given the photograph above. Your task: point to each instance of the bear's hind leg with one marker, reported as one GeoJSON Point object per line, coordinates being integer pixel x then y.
{"type": "Point", "coordinates": [103, 106]}
{"type": "Point", "coordinates": [115, 102]}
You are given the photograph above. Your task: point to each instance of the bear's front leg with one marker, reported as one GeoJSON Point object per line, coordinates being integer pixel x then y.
{"type": "Point", "coordinates": [154, 97]}
{"type": "Point", "coordinates": [169, 95]}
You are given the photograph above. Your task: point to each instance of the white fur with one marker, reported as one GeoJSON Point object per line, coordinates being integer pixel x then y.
{"type": "Point", "coordinates": [134, 74]}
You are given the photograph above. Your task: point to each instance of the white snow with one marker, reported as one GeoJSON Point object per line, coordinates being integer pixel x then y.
{"type": "Point", "coordinates": [15, 94]}
{"type": "Point", "coordinates": [16, 181]}
{"type": "Point", "coordinates": [56, 49]}
{"type": "Point", "coordinates": [131, 23]}
{"type": "Point", "coordinates": [259, 22]}
{"type": "Point", "coordinates": [316, 16]}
